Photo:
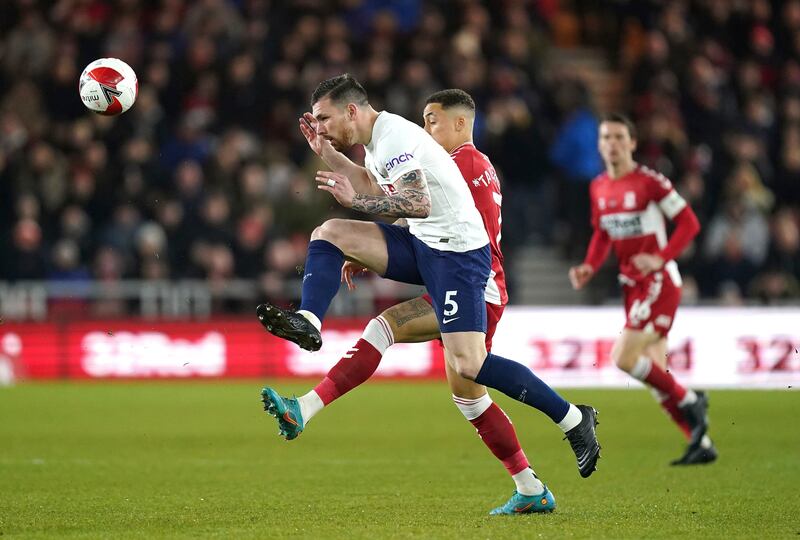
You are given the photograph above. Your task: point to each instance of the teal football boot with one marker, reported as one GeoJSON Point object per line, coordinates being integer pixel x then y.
{"type": "Point", "coordinates": [525, 504]}
{"type": "Point", "coordinates": [286, 410]}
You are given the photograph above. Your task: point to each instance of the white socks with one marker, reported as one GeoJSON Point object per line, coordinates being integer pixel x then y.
{"type": "Point", "coordinates": [641, 369]}
{"type": "Point", "coordinates": [310, 404]}
{"type": "Point", "coordinates": [379, 334]}
{"type": "Point", "coordinates": [572, 419]}
{"type": "Point", "coordinates": [473, 408]}
{"type": "Point", "coordinates": [527, 483]}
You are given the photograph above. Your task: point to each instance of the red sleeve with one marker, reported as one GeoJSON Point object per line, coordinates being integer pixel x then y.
{"type": "Point", "coordinates": [600, 244]}
{"type": "Point", "coordinates": [660, 186]}
{"type": "Point", "coordinates": [465, 163]}
{"type": "Point", "coordinates": [476, 175]}
{"type": "Point", "coordinates": [686, 228]}
{"type": "Point", "coordinates": [598, 250]}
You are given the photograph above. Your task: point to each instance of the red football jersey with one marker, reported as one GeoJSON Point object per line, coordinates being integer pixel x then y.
{"type": "Point", "coordinates": [631, 210]}
{"type": "Point", "coordinates": [482, 180]}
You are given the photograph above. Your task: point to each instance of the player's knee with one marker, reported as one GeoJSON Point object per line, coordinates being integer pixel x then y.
{"type": "Point", "coordinates": [331, 231]}
{"type": "Point", "coordinates": [623, 359]}
{"type": "Point", "coordinates": [465, 366]}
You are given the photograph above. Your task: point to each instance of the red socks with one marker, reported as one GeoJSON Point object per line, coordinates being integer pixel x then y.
{"type": "Point", "coordinates": [353, 369]}
{"type": "Point", "coordinates": [665, 383]}
{"type": "Point", "coordinates": [498, 434]}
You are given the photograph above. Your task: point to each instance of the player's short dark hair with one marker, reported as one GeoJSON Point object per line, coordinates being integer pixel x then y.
{"type": "Point", "coordinates": [341, 89]}
{"type": "Point", "coordinates": [452, 97]}
{"type": "Point", "coordinates": [619, 118]}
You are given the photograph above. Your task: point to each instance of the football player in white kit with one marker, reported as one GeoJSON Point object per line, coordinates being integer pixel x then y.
{"type": "Point", "coordinates": [444, 247]}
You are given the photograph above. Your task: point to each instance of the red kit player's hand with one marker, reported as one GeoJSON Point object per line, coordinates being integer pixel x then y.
{"type": "Point", "coordinates": [350, 269]}
{"type": "Point", "coordinates": [580, 275]}
{"type": "Point", "coordinates": [647, 262]}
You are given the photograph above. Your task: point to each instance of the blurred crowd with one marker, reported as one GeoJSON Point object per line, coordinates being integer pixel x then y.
{"type": "Point", "coordinates": [208, 177]}
{"type": "Point", "coordinates": [714, 87]}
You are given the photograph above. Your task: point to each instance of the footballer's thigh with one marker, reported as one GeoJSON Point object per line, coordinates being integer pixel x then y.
{"type": "Point", "coordinates": [657, 352]}
{"type": "Point", "coordinates": [360, 241]}
{"type": "Point", "coordinates": [630, 345]}
{"type": "Point", "coordinates": [413, 321]}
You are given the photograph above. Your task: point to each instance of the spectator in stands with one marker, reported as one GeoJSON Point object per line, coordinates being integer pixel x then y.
{"type": "Point", "coordinates": [714, 87]}
{"type": "Point", "coordinates": [574, 154]}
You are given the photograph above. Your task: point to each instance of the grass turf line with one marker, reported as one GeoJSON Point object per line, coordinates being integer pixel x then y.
{"type": "Point", "coordinates": [390, 460]}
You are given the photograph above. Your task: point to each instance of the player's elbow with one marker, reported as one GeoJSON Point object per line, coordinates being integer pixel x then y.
{"type": "Point", "coordinates": [690, 222]}
{"type": "Point", "coordinates": [424, 210]}
{"type": "Point", "coordinates": [695, 224]}
{"type": "Point", "coordinates": [420, 208]}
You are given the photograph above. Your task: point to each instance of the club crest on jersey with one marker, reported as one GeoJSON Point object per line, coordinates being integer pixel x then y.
{"type": "Point", "coordinates": [395, 161]}
{"type": "Point", "coordinates": [630, 200]}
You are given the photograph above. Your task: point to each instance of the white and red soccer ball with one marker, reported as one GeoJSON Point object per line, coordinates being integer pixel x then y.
{"type": "Point", "coordinates": [108, 86]}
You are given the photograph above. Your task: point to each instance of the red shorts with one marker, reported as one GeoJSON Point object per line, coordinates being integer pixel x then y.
{"type": "Point", "coordinates": [650, 303]}
{"type": "Point", "coordinates": [493, 314]}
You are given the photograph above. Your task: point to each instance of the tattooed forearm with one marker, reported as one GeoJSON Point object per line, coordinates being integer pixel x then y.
{"type": "Point", "coordinates": [410, 203]}
{"type": "Point", "coordinates": [412, 200]}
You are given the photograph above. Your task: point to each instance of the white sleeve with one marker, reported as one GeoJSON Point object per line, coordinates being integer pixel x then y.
{"type": "Point", "coordinates": [672, 204]}
{"type": "Point", "coordinates": [397, 154]}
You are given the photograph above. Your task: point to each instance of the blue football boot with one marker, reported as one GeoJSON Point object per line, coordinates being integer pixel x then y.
{"type": "Point", "coordinates": [527, 504]}
{"type": "Point", "coordinates": [286, 410]}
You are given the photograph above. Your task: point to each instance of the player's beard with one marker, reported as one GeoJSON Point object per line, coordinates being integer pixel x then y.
{"type": "Point", "coordinates": [346, 141]}
{"type": "Point", "coordinates": [348, 138]}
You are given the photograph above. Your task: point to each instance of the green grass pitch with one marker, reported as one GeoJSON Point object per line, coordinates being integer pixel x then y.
{"type": "Point", "coordinates": [390, 460]}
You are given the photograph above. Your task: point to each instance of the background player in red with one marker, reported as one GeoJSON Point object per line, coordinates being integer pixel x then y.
{"type": "Point", "coordinates": [629, 202]}
{"type": "Point", "coordinates": [449, 117]}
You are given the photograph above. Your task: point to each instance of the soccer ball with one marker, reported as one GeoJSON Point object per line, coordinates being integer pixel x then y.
{"type": "Point", "coordinates": [108, 86]}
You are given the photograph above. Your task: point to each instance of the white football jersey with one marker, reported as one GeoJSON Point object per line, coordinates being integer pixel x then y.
{"type": "Point", "coordinates": [399, 146]}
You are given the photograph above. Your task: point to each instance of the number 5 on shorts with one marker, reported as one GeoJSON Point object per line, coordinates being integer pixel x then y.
{"type": "Point", "coordinates": [450, 305]}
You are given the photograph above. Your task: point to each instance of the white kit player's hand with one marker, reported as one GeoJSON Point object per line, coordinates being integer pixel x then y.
{"type": "Point", "coordinates": [580, 275]}
{"type": "Point", "coordinates": [308, 127]}
{"type": "Point", "coordinates": [350, 269]}
{"type": "Point", "coordinates": [647, 262]}
{"type": "Point", "coordinates": [337, 185]}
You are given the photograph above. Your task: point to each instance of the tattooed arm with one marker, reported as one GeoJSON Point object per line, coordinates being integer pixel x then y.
{"type": "Point", "coordinates": [413, 200]}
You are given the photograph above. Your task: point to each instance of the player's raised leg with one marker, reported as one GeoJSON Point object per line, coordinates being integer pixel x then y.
{"type": "Point", "coordinates": [409, 322]}
{"type": "Point", "coordinates": [331, 243]}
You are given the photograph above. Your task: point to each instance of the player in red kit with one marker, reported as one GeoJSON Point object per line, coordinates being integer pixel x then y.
{"type": "Point", "coordinates": [448, 117]}
{"type": "Point", "coordinates": [629, 202]}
